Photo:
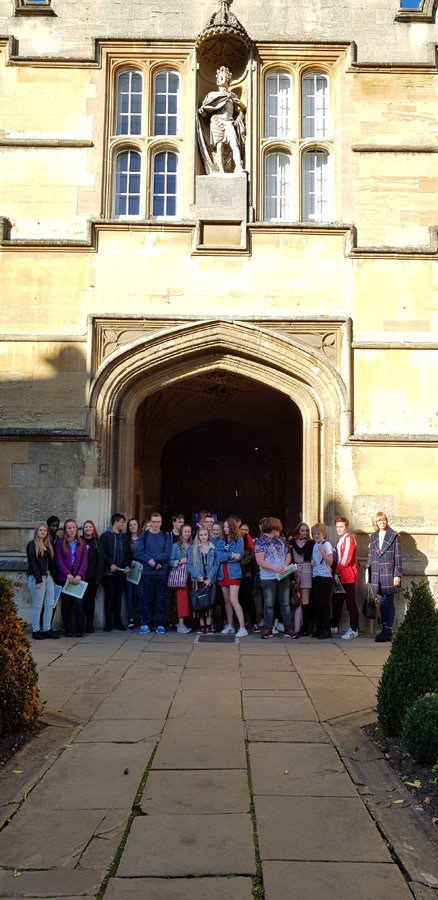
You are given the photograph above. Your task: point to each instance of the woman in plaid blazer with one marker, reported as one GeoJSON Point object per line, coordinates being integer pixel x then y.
{"type": "Point", "coordinates": [384, 565]}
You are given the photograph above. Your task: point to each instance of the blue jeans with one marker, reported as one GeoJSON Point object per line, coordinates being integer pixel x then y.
{"type": "Point", "coordinates": [271, 588]}
{"type": "Point", "coordinates": [152, 588]}
{"type": "Point", "coordinates": [129, 592]}
{"type": "Point", "coordinates": [44, 594]}
{"type": "Point", "coordinates": [387, 609]}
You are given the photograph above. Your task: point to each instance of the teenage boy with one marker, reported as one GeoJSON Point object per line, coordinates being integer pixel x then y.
{"type": "Point", "coordinates": [117, 558]}
{"type": "Point", "coordinates": [322, 559]}
{"type": "Point", "coordinates": [347, 571]}
{"type": "Point", "coordinates": [53, 527]}
{"type": "Point", "coordinates": [153, 551]}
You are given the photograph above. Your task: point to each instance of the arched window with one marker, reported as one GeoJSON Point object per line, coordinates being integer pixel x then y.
{"type": "Point", "coordinates": [316, 188]}
{"type": "Point", "coordinates": [164, 183]}
{"type": "Point", "coordinates": [315, 105]}
{"type": "Point", "coordinates": [278, 105]}
{"type": "Point", "coordinates": [127, 184]}
{"type": "Point", "coordinates": [277, 186]}
{"type": "Point", "coordinates": [129, 102]}
{"type": "Point", "coordinates": [166, 102]}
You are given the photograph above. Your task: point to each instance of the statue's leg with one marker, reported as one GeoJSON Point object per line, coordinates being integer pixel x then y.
{"type": "Point", "coordinates": [219, 156]}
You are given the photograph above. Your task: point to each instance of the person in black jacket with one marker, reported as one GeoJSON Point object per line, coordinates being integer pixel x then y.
{"type": "Point", "coordinates": [116, 563]}
{"type": "Point", "coordinates": [94, 573]}
{"type": "Point", "coordinates": [40, 582]}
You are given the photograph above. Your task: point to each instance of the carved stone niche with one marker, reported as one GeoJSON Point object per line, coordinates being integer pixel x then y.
{"type": "Point", "coordinates": [223, 42]}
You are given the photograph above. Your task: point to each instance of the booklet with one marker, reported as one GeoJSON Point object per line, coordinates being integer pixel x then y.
{"type": "Point", "coordinates": [75, 590]}
{"type": "Point", "coordinates": [288, 571]}
{"type": "Point", "coordinates": [134, 574]}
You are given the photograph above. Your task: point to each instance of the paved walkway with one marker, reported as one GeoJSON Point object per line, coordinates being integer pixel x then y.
{"type": "Point", "coordinates": [205, 769]}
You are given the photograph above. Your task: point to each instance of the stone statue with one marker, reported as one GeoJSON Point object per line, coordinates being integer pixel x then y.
{"type": "Point", "coordinates": [221, 127]}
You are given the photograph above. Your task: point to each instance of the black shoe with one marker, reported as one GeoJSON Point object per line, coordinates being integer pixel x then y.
{"type": "Point", "coordinates": [255, 629]}
{"type": "Point", "coordinates": [89, 629]}
{"type": "Point", "coordinates": [108, 628]}
{"type": "Point", "coordinates": [79, 634]}
{"type": "Point", "coordinates": [384, 636]}
{"type": "Point", "coordinates": [51, 634]}
{"type": "Point", "coordinates": [37, 635]}
{"type": "Point", "coordinates": [120, 626]}
{"type": "Point", "coordinates": [323, 635]}
{"type": "Point", "coordinates": [69, 634]}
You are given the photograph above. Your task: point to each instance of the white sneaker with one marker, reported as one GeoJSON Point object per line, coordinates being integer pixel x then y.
{"type": "Point", "coordinates": [280, 627]}
{"type": "Point", "coordinates": [334, 630]}
{"type": "Point", "coordinates": [349, 634]}
{"type": "Point", "coordinates": [262, 623]}
{"type": "Point", "coordinates": [227, 629]}
{"type": "Point", "coordinates": [182, 629]}
{"type": "Point", "coordinates": [242, 632]}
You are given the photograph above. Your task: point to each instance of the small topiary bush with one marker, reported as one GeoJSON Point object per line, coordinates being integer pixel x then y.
{"type": "Point", "coordinates": [420, 729]}
{"type": "Point", "coordinates": [412, 666]}
{"type": "Point", "coordinates": [20, 704]}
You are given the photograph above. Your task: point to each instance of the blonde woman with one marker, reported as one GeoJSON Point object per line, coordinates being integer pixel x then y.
{"type": "Point", "coordinates": [202, 567]}
{"type": "Point", "coordinates": [40, 582]}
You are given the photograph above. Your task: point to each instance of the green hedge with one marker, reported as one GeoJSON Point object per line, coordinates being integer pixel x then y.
{"type": "Point", "coordinates": [412, 666]}
{"type": "Point", "coordinates": [420, 729]}
{"type": "Point", "coordinates": [20, 704]}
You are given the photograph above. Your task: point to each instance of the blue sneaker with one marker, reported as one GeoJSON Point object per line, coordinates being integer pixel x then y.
{"type": "Point", "coordinates": [160, 630]}
{"type": "Point", "coordinates": [144, 629]}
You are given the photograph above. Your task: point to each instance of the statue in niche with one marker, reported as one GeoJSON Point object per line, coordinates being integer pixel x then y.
{"type": "Point", "coordinates": [221, 128]}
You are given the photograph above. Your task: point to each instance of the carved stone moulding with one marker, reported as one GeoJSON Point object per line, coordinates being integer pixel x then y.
{"type": "Point", "coordinates": [224, 42]}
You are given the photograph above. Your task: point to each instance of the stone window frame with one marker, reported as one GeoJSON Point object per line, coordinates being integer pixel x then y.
{"type": "Point", "coordinates": [34, 8]}
{"type": "Point", "coordinates": [424, 13]}
{"type": "Point", "coordinates": [147, 144]}
{"type": "Point", "coordinates": [297, 145]}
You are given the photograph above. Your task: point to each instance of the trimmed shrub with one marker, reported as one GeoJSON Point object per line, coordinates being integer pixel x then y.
{"type": "Point", "coordinates": [20, 704]}
{"type": "Point", "coordinates": [412, 666]}
{"type": "Point", "coordinates": [420, 729]}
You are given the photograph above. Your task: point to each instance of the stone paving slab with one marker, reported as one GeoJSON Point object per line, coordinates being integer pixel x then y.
{"type": "Point", "coordinates": [146, 666]}
{"type": "Point", "coordinates": [278, 705]}
{"type": "Point", "coordinates": [214, 663]}
{"type": "Point", "coordinates": [121, 731]}
{"type": "Point", "coordinates": [216, 703]}
{"type": "Point", "coordinates": [337, 695]}
{"type": "Point", "coordinates": [209, 792]}
{"type": "Point", "coordinates": [103, 846]}
{"type": "Point", "coordinates": [334, 881]}
{"type": "Point", "coordinates": [40, 837]}
{"type": "Point", "coordinates": [324, 668]}
{"type": "Point", "coordinates": [83, 705]}
{"type": "Point", "coordinates": [238, 888]}
{"type": "Point", "coordinates": [269, 664]}
{"type": "Point", "coordinates": [255, 646]}
{"type": "Point", "coordinates": [131, 701]}
{"type": "Point", "coordinates": [55, 883]}
{"type": "Point", "coordinates": [314, 770]}
{"type": "Point", "coordinates": [201, 744]}
{"type": "Point", "coordinates": [176, 846]}
{"type": "Point", "coordinates": [371, 671]}
{"type": "Point", "coordinates": [318, 828]}
{"type": "Point", "coordinates": [299, 732]}
{"type": "Point", "coordinates": [92, 779]}
{"type": "Point", "coordinates": [275, 681]}
{"type": "Point", "coordinates": [216, 680]}
{"type": "Point", "coordinates": [177, 660]}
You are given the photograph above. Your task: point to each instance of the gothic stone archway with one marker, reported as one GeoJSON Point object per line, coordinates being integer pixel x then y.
{"type": "Point", "coordinates": [157, 360]}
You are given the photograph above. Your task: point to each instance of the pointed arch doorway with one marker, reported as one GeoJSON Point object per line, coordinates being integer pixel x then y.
{"type": "Point", "coordinates": [223, 442]}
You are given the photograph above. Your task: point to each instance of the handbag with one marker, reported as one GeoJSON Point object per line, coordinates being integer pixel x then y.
{"type": "Point", "coordinates": [294, 595]}
{"type": "Point", "coordinates": [178, 576]}
{"type": "Point", "coordinates": [338, 587]}
{"type": "Point", "coordinates": [201, 598]}
{"type": "Point", "coordinates": [369, 609]}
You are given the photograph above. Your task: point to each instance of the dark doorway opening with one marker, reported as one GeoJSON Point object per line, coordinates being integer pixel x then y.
{"type": "Point", "coordinates": [224, 467]}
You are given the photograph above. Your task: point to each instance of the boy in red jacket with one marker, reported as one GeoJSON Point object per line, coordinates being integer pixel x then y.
{"type": "Point", "coordinates": [347, 571]}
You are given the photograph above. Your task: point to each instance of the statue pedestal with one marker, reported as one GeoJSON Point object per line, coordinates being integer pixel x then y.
{"type": "Point", "coordinates": [221, 209]}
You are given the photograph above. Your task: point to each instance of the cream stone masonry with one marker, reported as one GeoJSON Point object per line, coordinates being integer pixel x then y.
{"type": "Point", "coordinates": [290, 345]}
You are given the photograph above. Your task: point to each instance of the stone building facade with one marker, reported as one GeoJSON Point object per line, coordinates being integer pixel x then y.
{"type": "Point", "coordinates": [256, 341]}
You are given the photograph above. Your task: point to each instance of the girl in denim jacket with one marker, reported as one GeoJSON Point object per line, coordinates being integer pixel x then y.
{"type": "Point", "coordinates": [229, 554]}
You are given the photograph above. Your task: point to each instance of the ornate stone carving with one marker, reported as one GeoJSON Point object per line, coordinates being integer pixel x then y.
{"type": "Point", "coordinates": [110, 333]}
{"type": "Point", "coordinates": [224, 41]}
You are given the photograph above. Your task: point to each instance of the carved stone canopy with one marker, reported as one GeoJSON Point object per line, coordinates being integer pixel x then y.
{"type": "Point", "coordinates": [224, 41]}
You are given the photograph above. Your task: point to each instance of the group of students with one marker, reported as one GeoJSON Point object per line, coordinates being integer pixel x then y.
{"type": "Point", "coordinates": [193, 560]}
